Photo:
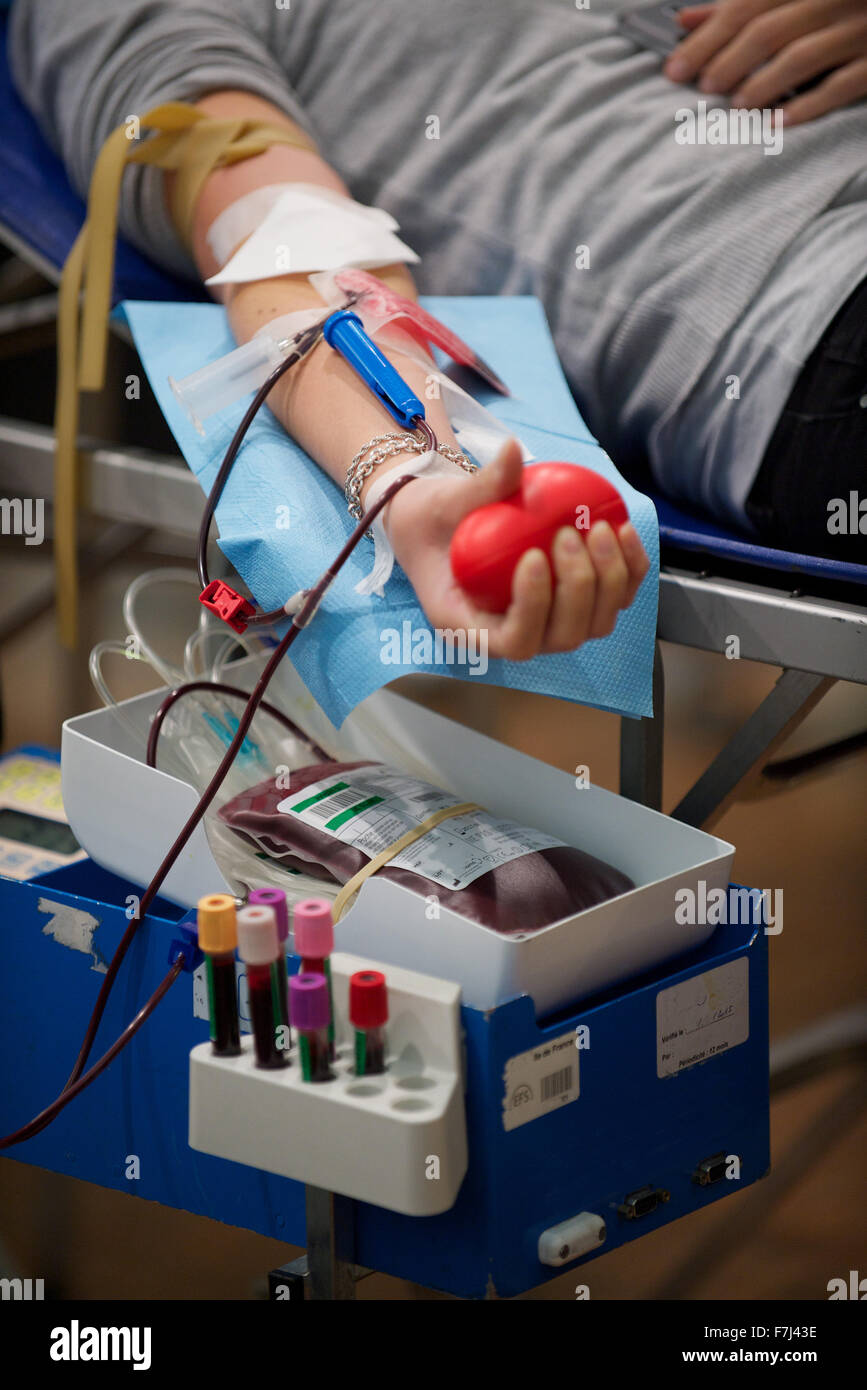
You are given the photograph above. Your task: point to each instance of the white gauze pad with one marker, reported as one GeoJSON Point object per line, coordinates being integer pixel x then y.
{"type": "Point", "coordinates": [298, 228]}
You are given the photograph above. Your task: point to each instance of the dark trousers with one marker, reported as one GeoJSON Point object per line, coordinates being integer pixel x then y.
{"type": "Point", "coordinates": [810, 494]}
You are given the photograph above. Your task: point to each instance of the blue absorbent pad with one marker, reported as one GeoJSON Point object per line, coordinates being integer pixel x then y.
{"type": "Point", "coordinates": [281, 520]}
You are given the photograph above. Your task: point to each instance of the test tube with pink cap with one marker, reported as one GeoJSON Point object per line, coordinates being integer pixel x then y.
{"type": "Point", "coordinates": [313, 924]}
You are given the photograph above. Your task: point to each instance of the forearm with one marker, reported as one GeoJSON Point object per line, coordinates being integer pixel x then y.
{"type": "Point", "coordinates": [322, 402]}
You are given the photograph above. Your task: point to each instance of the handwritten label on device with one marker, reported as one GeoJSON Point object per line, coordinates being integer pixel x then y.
{"type": "Point", "coordinates": [371, 807]}
{"type": "Point", "coordinates": [702, 1017]}
{"type": "Point", "coordinates": [541, 1080]}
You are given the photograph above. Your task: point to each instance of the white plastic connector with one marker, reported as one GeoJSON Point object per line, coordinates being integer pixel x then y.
{"type": "Point", "coordinates": [397, 1140]}
{"type": "Point", "coordinates": [571, 1239]}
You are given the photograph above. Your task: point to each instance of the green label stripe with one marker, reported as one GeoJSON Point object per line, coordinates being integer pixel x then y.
{"type": "Point", "coordinates": [330, 1003]}
{"type": "Point", "coordinates": [306, 1060]}
{"type": "Point", "coordinates": [212, 1001]}
{"type": "Point", "coordinates": [336, 822]}
{"type": "Point", "coordinates": [320, 796]}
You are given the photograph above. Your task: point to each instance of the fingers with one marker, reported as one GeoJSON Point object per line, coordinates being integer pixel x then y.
{"type": "Point", "coordinates": [846, 85]}
{"type": "Point", "coordinates": [800, 60]}
{"type": "Point", "coordinates": [594, 581]}
{"type": "Point", "coordinates": [575, 595]}
{"type": "Point", "coordinates": [612, 578]}
{"type": "Point", "coordinates": [636, 559]}
{"type": "Point", "coordinates": [759, 42]}
{"type": "Point", "coordinates": [691, 16]}
{"type": "Point", "coordinates": [519, 634]}
{"type": "Point", "coordinates": [730, 18]}
{"type": "Point", "coordinates": [695, 14]}
{"type": "Point", "coordinates": [694, 52]}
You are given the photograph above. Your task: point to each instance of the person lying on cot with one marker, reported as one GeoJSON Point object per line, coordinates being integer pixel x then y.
{"type": "Point", "coordinates": [706, 294]}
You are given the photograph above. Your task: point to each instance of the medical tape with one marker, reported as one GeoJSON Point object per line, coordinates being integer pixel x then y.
{"type": "Point", "coordinates": [304, 229]}
{"type": "Point", "coordinates": [428, 465]}
{"type": "Point", "coordinates": [243, 217]}
{"type": "Point", "coordinates": [351, 887]}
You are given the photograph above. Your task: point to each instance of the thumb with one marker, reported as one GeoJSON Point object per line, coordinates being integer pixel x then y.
{"type": "Point", "coordinates": [498, 479]}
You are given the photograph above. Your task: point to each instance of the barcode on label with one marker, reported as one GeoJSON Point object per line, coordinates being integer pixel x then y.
{"type": "Point", "coordinates": [428, 796]}
{"type": "Point", "coordinates": [339, 802]}
{"type": "Point", "coordinates": [557, 1083]}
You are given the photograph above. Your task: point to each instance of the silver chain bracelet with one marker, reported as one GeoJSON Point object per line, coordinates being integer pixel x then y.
{"type": "Point", "coordinates": [385, 446]}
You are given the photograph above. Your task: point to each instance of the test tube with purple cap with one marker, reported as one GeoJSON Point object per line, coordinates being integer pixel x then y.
{"type": "Point", "coordinates": [313, 925]}
{"type": "Point", "coordinates": [310, 1011]}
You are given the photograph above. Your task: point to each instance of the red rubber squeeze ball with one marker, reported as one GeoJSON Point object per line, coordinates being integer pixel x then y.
{"type": "Point", "coordinates": [368, 999]}
{"type": "Point", "coordinates": [489, 542]}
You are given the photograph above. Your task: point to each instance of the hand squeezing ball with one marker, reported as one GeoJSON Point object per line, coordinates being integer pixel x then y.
{"type": "Point", "coordinates": [489, 542]}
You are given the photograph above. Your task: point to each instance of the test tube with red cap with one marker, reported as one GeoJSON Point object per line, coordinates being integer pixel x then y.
{"type": "Point", "coordinates": [218, 937]}
{"type": "Point", "coordinates": [258, 947]}
{"type": "Point", "coordinates": [310, 1011]}
{"type": "Point", "coordinates": [313, 925]}
{"type": "Point", "coordinates": [275, 898]}
{"type": "Point", "coordinates": [368, 1014]}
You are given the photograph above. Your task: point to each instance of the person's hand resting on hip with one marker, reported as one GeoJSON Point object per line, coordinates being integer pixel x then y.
{"type": "Point", "coordinates": [759, 51]}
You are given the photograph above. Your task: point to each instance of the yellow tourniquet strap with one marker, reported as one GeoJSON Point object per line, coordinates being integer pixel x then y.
{"type": "Point", "coordinates": [189, 143]}
{"type": "Point", "coordinates": [350, 888]}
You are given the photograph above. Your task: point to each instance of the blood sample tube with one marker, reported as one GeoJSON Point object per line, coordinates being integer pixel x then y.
{"type": "Point", "coordinates": [368, 1014]}
{"type": "Point", "coordinates": [275, 898]}
{"type": "Point", "coordinates": [218, 937]}
{"type": "Point", "coordinates": [258, 947]}
{"type": "Point", "coordinates": [314, 941]}
{"type": "Point", "coordinates": [311, 1013]}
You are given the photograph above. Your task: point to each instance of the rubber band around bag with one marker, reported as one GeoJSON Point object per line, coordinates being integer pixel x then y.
{"type": "Point", "coordinates": [352, 885]}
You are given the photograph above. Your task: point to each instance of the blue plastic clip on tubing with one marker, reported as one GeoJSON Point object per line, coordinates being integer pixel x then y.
{"type": "Point", "coordinates": [345, 333]}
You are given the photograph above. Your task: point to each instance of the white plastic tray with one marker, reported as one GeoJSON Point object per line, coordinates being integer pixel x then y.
{"type": "Point", "coordinates": [125, 815]}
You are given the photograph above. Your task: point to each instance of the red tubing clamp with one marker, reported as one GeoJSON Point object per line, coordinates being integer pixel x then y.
{"type": "Point", "coordinates": [233, 608]}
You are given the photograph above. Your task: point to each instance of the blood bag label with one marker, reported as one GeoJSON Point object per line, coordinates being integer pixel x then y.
{"type": "Point", "coordinates": [539, 1081]}
{"type": "Point", "coordinates": [702, 1017]}
{"type": "Point", "coordinates": [371, 807]}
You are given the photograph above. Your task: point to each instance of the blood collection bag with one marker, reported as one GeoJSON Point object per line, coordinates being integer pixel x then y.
{"type": "Point", "coordinates": [337, 816]}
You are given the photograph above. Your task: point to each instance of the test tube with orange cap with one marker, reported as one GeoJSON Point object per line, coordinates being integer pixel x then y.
{"type": "Point", "coordinates": [218, 937]}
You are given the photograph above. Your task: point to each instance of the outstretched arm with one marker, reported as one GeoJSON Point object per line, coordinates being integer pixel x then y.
{"type": "Point", "coordinates": [331, 414]}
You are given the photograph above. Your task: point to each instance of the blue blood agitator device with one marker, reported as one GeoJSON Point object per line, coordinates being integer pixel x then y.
{"type": "Point", "coordinates": [345, 333]}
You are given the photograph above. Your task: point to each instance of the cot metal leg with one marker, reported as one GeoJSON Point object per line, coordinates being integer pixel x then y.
{"type": "Point", "coordinates": [330, 1245]}
{"type": "Point", "coordinates": [641, 747]}
{"type": "Point", "coordinates": [795, 694]}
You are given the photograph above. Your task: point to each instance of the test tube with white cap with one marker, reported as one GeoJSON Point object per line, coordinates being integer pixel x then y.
{"type": "Point", "coordinates": [259, 949]}
{"type": "Point", "coordinates": [275, 898]}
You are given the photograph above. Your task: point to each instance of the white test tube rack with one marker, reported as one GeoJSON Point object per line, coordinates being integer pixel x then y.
{"type": "Point", "coordinates": [397, 1140]}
